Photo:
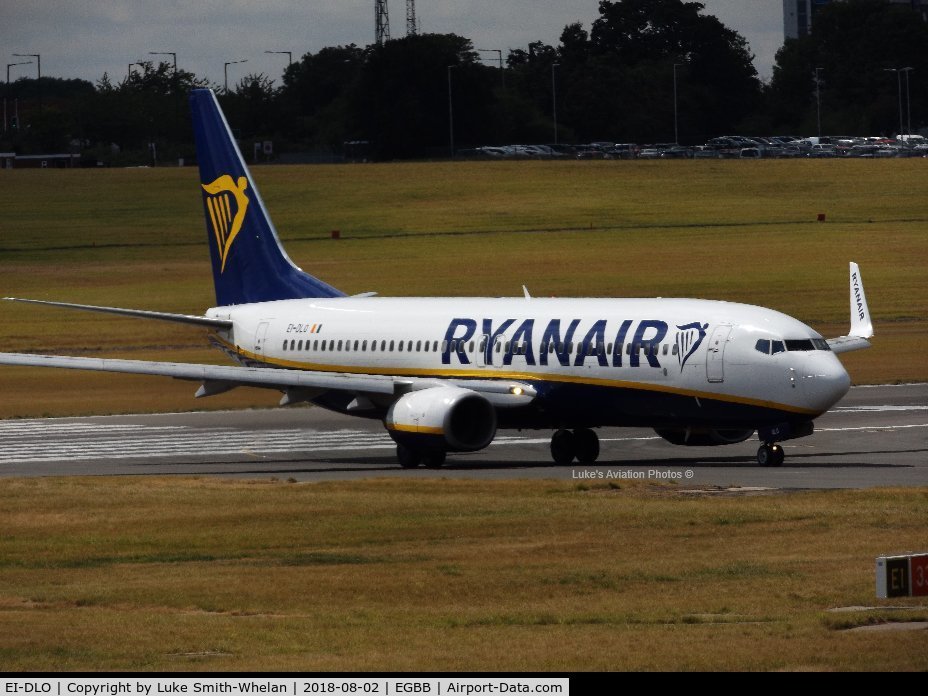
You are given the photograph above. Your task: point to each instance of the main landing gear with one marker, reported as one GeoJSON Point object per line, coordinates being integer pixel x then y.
{"type": "Point", "coordinates": [410, 458]}
{"type": "Point", "coordinates": [582, 444]}
{"type": "Point", "coordinates": [770, 454]}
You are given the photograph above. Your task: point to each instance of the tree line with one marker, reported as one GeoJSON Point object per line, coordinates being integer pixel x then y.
{"type": "Point", "coordinates": [645, 71]}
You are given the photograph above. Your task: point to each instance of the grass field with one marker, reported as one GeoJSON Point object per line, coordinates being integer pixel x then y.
{"type": "Point", "coordinates": [168, 574]}
{"type": "Point", "coordinates": [186, 574]}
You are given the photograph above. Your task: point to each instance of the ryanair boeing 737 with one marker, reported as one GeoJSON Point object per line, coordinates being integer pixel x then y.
{"type": "Point", "coordinates": [444, 374]}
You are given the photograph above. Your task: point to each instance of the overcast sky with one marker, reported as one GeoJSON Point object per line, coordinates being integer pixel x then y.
{"type": "Point", "coordinates": [86, 38]}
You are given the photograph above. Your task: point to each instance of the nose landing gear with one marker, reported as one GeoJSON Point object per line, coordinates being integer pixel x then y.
{"type": "Point", "coordinates": [770, 454]}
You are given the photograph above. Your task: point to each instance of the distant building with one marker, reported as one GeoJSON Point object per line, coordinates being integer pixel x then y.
{"type": "Point", "coordinates": [53, 161]}
{"type": "Point", "coordinates": [798, 15]}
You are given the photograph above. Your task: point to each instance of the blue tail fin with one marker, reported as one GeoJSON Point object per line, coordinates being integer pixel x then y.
{"type": "Point", "coordinates": [249, 263]}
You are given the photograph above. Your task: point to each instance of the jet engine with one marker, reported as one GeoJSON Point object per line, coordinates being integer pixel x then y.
{"type": "Point", "coordinates": [701, 437]}
{"type": "Point", "coordinates": [442, 418]}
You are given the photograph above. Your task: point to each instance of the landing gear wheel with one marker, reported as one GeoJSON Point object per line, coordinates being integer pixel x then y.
{"type": "Point", "coordinates": [586, 443]}
{"type": "Point", "coordinates": [407, 458]}
{"type": "Point", "coordinates": [563, 448]}
{"type": "Point", "coordinates": [770, 455]}
{"type": "Point", "coordinates": [433, 460]}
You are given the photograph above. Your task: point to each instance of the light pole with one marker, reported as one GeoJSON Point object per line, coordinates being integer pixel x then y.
{"type": "Point", "coordinates": [38, 60]}
{"type": "Point", "coordinates": [129, 72]}
{"type": "Point", "coordinates": [818, 100]}
{"type": "Point", "coordinates": [225, 71]}
{"type": "Point", "coordinates": [10, 65]}
{"type": "Point", "coordinates": [450, 113]}
{"type": "Point", "coordinates": [498, 51]}
{"type": "Point", "coordinates": [554, 98]}
{"type": "Point", "coordinates": [166, 53]}
{"type": "Point", "coordinates": [908, 100]}
{"type": "Point", "coordinates": [898, 72]}
{"type": "Point", "coordinates": [37, 57]}
{"type": "Point", "coordinates": [676, 131]}
{"type": "Point", "coordinates": [289, 55]}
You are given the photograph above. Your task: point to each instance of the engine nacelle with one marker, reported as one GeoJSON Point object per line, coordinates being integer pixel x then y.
{"type": "Point", "coordinates": [442, 418]}
{"type": "Point", "coordinates": [702, 437]}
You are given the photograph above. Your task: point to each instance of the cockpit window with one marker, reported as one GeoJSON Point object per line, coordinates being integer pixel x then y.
{"type": "Point", "coordinates": [799, 344]}
{"type": "Point", "coordinates": [772, 347]}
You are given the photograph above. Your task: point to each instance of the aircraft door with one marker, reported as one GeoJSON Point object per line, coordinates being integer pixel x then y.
{"type": "Point", "coordinates": [261, 337]}
{"type": "Point", "coordinates": [715, 370]}
{"type": "Point", "coordinates": [490, 354]}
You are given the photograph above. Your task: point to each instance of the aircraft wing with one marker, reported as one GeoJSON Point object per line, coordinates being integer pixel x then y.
{"type": "Point", "coordinates": [219, 378]}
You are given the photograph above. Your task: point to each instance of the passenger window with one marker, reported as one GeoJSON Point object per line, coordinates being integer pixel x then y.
{"type": "Point", "coordinates": [355, 345]}
{"type": "Point", "coordinates": [401, 346]}
{"type": "Point", "coordinates": [762, 346]}
{"type": "Point", "coordinates": [409, 347]}
{"type": "Point", "coordinates": [391, 346]}
{"type": "Point", "coordinates": [418, 346]}
{"type": "Point", "coordinates": [299, 346]}
{"type": "Point", "coordinates": [316, 344]}
{"type": "Point", "coordinates": [665, 349]}
{"type": "Point", "coordinates": [673, 351]}
{"type": "Point", "coordinates": [364, 345]}
{"type": "Point", "coordinates": [499, 346]}
{"type": "Point", "coordinates": [292, 343]}
{"type": "Point", "coordinates": [285, 345]}
{"type": "Point", "coordinates": [483, 345]}
{"type": "Point", "coordinates": [435, 346]}
{"type": "Point", "coordinates": [508, 345]}
{"type": "Point", "coordinates": [339, 345]}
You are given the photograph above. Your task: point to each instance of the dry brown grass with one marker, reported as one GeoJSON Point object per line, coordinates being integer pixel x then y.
{"type": "Point", "coordinates": [168, 574]}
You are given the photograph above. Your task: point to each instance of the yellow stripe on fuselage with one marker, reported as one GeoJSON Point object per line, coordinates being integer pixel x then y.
{"type": "Point", "coordinates": [496, 375]}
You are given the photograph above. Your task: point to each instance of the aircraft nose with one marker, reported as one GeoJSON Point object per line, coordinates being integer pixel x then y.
{"type": "Point", "coordinates": [824, 380]}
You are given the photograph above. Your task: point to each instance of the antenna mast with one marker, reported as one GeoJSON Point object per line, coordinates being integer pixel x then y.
{"type": "Point", "coordinates": [381, 22]}
{"type": "Point", "coordinates": [411, 28]}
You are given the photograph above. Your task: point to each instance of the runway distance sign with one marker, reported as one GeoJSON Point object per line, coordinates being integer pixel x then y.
{"type": "Point", "coordinates": [902, 576]}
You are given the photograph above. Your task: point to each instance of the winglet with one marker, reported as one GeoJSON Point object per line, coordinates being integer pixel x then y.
{"type": "Point", "coordinates": [861, 324]}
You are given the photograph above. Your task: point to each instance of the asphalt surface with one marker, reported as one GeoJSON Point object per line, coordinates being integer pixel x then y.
{"type": "Point", "coordinates": [877, 436]}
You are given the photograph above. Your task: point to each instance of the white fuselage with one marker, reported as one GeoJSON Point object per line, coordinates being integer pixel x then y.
{"type": "Point", "coordinates": [644, 361]}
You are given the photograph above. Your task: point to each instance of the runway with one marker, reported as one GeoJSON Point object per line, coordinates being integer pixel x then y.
{"type": "Point", "coordinates": [877, 436]}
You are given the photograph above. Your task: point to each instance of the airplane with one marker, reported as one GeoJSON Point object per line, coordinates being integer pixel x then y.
{"type": "Point", "coordinates": [444, 374]}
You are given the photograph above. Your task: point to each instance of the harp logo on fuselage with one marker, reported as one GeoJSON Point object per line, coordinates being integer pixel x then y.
{"type": "Point", "coordinates": [226, 205]}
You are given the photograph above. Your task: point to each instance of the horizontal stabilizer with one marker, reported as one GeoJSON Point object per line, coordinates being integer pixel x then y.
{"type": "Point", "coordinates": [137, 313]}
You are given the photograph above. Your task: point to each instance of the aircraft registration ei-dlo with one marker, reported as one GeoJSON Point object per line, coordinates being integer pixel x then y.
{"type": "Point", "coordinates": [444, 374]}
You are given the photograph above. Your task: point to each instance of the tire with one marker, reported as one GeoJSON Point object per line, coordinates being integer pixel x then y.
{"type": "Point", "coordinates": [562, 447]}
{"type": "Point", "coordinates": [433, 460]}
{"type": "Point", "coordinates": [770, 455]}
{"type": "Point", "coordinates": [586, 444]}
{"type": "Point", "coordinates": [407, 458]}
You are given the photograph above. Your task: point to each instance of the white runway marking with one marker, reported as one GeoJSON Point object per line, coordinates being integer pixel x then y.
{"type": "Point", "coordinates": [40, 441]}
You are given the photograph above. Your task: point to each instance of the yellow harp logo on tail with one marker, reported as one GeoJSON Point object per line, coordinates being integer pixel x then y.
{"type": "Point", "coordinates": [227, 203]}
